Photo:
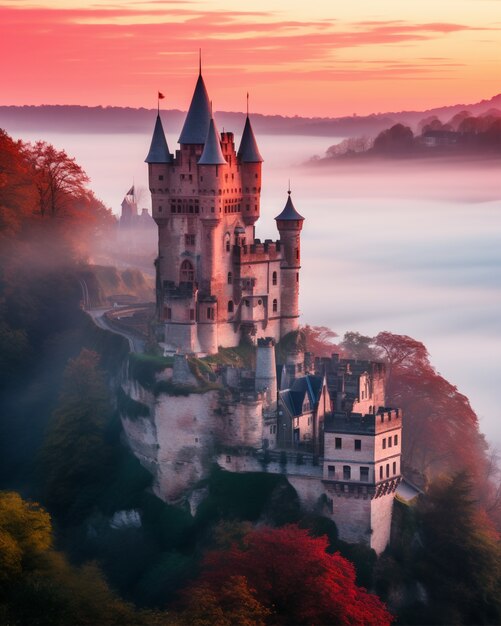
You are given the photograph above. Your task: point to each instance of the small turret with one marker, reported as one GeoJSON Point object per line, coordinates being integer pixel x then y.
{"type": "Point", "coordinates": [248, 151]}
{"type": "Point", "coordinates": [212, 153]}
{"type": "Point", "coordinates": [250, 160]}
{"type": "Point", "coordinates": [196, 125]}
{"type": "Point", "coordinates": [266, 371]}
{"type": "Point", "coordinates": [159, 150]}
{"type": "Point", "coordinates": [289, 224]}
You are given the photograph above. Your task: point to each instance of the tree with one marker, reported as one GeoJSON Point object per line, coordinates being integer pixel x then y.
{"type": "Point", "coordinates": [76, 456]}
{"type": "Point", "coordinates": [58, 178]}
{"type": "Point", "coordinates": [234, 603]}
{"type": "Point", "coordinates": [394, 140]}
{"type": "Point", "coordinates": [319, 340]}
{"type": "Point", "coordinates": [357, 346]}
{"type": "Point", "coordinates": [296, 578]}
{"type": "Point", "coordinates": [25, 534]}
{"type": "Point", "coordinates": [461, 552]}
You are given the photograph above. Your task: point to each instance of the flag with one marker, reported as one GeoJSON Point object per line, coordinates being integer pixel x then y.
{"type": "Point", "coordinates": [160, 95]}
{"type": "Point", "coordinates": [131, 191]}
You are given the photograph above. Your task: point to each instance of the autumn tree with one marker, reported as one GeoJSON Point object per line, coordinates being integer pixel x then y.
{"type": "Point", "coordinates": [58, 178]}
{"type": "Point", "coordinates": [294, 577]}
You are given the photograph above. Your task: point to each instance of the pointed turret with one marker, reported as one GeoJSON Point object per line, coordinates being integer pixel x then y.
{"type": "Point", "coordinates": [196, 125]}
{"type": "Point", "coordinates": [248, 151]}
{"type": "Point", "coordinates": [212, 154]}
{"type": "Point", "coordinates": [289, 213]}
{"type": "Point", "coordinates": [159, 150]}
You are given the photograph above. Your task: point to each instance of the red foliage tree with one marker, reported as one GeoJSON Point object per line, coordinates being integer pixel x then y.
{"type": "Point", "coordinates": [294, 577]}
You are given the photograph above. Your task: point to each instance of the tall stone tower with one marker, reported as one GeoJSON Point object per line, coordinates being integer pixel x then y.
{"type": "Point", "coordinates": [216, 282]}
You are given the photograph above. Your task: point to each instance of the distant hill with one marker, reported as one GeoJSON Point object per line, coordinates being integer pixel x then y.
{"type": "Point", "coordinates": [71, 119]}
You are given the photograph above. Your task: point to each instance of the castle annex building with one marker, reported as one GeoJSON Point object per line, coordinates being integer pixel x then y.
{"type": "Point", "coordinates": [215, 280]}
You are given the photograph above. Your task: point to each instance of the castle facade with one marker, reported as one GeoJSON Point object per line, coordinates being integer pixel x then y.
{"type": "Point", "coordinates": [215, 281]}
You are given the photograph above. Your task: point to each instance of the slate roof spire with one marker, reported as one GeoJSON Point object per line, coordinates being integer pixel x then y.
{"type": "Point", "coordinates": [248, 152]}
{"type": "Point", "coordinates": [196, 124]}
{"type": "Point", "coordinates": [212, 153]}
{"type": "Point", "coordinates": [289, 212]}
{"type": "Point", "coordinates": [159, 150]}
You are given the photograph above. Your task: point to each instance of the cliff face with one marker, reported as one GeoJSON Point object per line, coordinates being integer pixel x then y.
{"type": "Point", "coordinates": [177, 437]}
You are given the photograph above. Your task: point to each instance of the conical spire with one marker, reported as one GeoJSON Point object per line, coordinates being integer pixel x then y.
{"type": "Point", "coordinates": [289, 212]}
{"type": "Point", "coordinates": [159, 150]}
{"type": "Point", "coordinates": [212, 154]}
{"type": "Point", "coordinates": [248, 151]}
{"type": "Point", "coordinates": [196, 124]}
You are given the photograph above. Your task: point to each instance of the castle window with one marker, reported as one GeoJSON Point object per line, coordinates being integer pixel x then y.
{"type": "Point", "coordinates": [364, 474]}
{"type": "Point", "coordinates": [227, 244]}
{"type": "Point", "coordinates": [255, 175]}
{"type": "Point", "coordinates": [159, 209]}
{"type": "Point", "coordinates": [161, 177]}
{"type": "Point", "coordinates": [339, 443]}
{"type": "Point", "coordinates": [230, 306]}
{"type": "Point", "coordinates": [384, 443]}
{"type": "Point", "coordinates": [297, 254]}
{"type": "Point", "coordinates": [187, 272]}
{"type": "Point", "coordinates": [210, 313]}
{"type": "Point", "coordinates": [387, 470]}
{"type": "Point", "coordinates": [382, 418]}
{"type": "Point", "coordinates": [358, 444]}
{"type": "Point", "coordinates": [381, 472]}
{"type": "Point", "coordinates": [395, 440]}
{"type": "Point", "coordinates": [189, 240]}
{"type": "Point", "coordinates": [182, 176]}
{"type": "Point", "coordinates": [389, 442]}
{"type": "Point", "coordinates": [331, 471]}
{"type": "Point", "coordinates": [275, 305]}
{"type": "Point", "coordinates": [394, 468]}
{"type": "Point", "coordinates": [201, 179]}
{"type": "Point", "coordinates": [274, 278]}
{"type": "Point", "coordinates": [167, 313]}
{"type": "Point", "coordinates": [230, 278]}
{"type": "Point", "coordinates": [228, 459]}
{"type": "Point", "coordinates": [247, 207]}
{"type": "Point", "coordinates": [247, 302]}
{"type": "Point", "coordinates": [346, 472]}
{"type": "Point", "coordinates": [297, 277]}
{"type": "Point", "coordinates": [192, 315]}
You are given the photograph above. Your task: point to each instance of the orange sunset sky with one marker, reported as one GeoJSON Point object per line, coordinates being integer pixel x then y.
{"type": "Point", "coordinates": [315, 58]}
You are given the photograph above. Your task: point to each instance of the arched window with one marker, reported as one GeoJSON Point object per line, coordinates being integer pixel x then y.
{"type": "Point", "coordinates": [274, 278]}
{"type": "Point", "coordinates": [230, 306]}
{"type": "Point", "coordinates": [275, 305]}
{"type": "Point", "coordinates": [187, 272]}
{"type": "Point", "coordinates": [227, 244]}
{"type": "Point", "coordinates": [230, 278]}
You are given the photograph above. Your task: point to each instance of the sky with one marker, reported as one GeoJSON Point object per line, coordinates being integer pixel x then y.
{"type": "Point", "coordinates": [317, 58]}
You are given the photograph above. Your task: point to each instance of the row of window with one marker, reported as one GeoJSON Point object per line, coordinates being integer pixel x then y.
{"type": "Point", "coordinates": [331, 473]}
{"type": "Point", "coordinates": [391, 441]}
{"type": "Point", "coordinates": [274, 277]}
{"type": "Point", "coordinates": [364, 472]}
{"type": "Point", "coordinates": [211, 310]}
{"type": "Point", "coordinates": [339, 444]}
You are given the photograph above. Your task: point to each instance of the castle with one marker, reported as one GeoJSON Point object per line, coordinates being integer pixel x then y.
{"type": "Point", "coordinates": [321, 422]}
{"type": "Point", "coordinates": [216, 282]}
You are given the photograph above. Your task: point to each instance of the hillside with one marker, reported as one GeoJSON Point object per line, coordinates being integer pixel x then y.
{"type": "Point", "coordinates": [65, 118]}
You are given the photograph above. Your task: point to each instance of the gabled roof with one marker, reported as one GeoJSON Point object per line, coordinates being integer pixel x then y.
{"type": "Point", "coordinates": [196, 124]}
{"type": "Point", "coordinates": [159, 150]}
{"type": "Point", "coordinates": [212, 154]}
{"type": "Point", "coordinates": [294, 397]}
{"type": "Point", "coordinates": [248, 152]}
{"type": "Point", "coordinates": [289, 212]}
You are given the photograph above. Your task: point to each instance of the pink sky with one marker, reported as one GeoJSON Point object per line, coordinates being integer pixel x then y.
{"type": "Point", "coordinates": [320, 60]}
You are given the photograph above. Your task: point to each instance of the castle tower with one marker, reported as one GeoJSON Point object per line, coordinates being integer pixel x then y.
{"type": "Point", "coordinates": [290, 224]}
{"type": "Point", "coordinates": [216, 282]}
{"type": "Point", "coordinates": [266, 371]}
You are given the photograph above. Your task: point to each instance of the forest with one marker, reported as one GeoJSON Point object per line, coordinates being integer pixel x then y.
{"type": "Point", "coordinates": [83, 539]}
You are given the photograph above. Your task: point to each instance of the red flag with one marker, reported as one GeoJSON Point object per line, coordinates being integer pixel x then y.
{"type": "Point", "coordinates": [160, 96]}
